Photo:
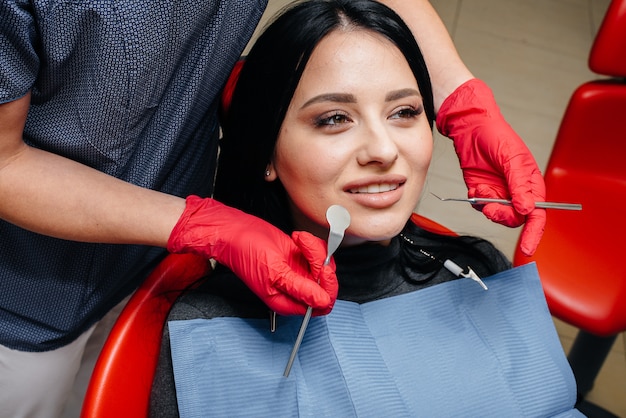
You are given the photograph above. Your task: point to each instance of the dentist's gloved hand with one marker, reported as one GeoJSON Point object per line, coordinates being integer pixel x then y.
{"type": "Point", "coordinates": [495, 161]}
{"type": "Point", "coordinates": [282, 271]}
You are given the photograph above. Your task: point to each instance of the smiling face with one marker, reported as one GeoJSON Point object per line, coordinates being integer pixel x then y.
{"type": "Point", "coordinates": [355, 134]}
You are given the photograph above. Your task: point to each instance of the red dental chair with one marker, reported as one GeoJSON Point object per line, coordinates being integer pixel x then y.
{"type": "Point", "coordinates": [580, 258]}
{"type": "Point", "coordinates": [122, 378]}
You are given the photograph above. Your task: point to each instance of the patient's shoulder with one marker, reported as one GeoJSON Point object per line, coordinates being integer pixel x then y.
{"type": "Point", "coordinates": [221, 295]}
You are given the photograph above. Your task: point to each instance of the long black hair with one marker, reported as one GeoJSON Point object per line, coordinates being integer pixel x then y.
{"type": "Point", "coordinates": [266, 85]}
{"type": "Point", "coordinates": [262, 96]}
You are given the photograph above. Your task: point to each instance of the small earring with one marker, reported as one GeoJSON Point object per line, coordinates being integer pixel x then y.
{"type": "Point", "coordinates": [267, 173]}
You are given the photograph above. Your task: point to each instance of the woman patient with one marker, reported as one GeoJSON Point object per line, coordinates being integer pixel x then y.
{"type": "Point", "coordinates": [334, 106]}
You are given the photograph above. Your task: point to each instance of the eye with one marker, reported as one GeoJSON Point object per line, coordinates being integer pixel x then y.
{"type": "Point", "coordinates": [332, 119]}
{"type": "Point", "coordinates": [407, 112]}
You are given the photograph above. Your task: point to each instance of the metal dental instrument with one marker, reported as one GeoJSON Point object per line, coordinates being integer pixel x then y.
{"type": "Point", "coordinates": [541, 205]}
{"type": "Point", "coordinates": [338, 218]}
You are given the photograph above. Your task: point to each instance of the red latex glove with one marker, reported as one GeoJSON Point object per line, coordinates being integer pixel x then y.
{"type": "Point", "coordinates": [283, 272]}
{"type": "Point", "coordinates": [495, 161]}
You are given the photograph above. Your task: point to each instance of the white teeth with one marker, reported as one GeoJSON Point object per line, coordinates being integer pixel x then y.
{"type": "Point", "coordinates": [375, 188]}
{"type": "Point", "coordinates": [388, 187]}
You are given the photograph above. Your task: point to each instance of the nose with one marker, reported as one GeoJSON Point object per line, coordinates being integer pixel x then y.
{"type": "Point", "coordinates": [378, 147]}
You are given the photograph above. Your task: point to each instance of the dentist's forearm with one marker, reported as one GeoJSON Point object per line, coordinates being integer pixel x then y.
{"type": "Point", "coordinates": [55, 196]}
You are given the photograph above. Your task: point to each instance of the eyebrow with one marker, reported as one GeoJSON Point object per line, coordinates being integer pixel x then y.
{"type": "Point", "coordinates": [331, 97]}
{"type": "Point", "coordinates": [349, 98]}
{"type": "Point", "coordinates": [401, 94]}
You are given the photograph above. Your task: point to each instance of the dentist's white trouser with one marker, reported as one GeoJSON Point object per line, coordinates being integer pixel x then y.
{"type": "Point", "coordinates": [51, 384]}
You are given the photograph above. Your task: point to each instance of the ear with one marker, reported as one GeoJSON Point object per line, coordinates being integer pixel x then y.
{"type": "Point", "coordinates": [270, 173]}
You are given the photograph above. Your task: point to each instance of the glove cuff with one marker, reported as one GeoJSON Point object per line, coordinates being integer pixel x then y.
{"type": "Point", "coordinates": [471, 100]}
{"type": "Point", "coordinates": [184, 237]}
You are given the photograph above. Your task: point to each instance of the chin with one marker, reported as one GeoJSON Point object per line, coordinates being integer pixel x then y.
{"type": "Point", "coordinates": [371, 234]}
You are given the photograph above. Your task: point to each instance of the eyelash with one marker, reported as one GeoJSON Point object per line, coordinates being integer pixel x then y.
{"type": "Point", "coordinates": [408, 113]}
{"type": "Point", "coordinates": [330, 120]}
{"type": "Point", "coordinates": [338, 117]}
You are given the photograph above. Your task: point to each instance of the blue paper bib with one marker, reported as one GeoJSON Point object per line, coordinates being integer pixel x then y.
{"type": "Point", "coordinates": [448, 350]}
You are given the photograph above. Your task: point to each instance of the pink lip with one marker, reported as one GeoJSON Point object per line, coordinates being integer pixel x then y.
{"type": "Point", "coordinates": [378, 192]}
{"type": "Point", "coordinates": [397, 180]}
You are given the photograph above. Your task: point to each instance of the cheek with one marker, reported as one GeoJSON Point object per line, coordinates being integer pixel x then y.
{"type": "Point", "coordinates": [309, 160]}
{"type": "Point", "coordinates": [423, 159]}
{"type": "Point", "coordinates": [309, 175]}
{"type": "Point", "coordinates": [292, 164]}
{"type": "Point", "coordinates": [419, 153]}
{"type": "Point", "coordinates": [302, 175]}
{"type": "Point", "coordinates": [307, 189]}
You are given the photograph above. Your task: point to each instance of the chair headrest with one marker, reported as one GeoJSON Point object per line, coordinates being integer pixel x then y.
{"type": "Point", "coordinates": [608, 53]}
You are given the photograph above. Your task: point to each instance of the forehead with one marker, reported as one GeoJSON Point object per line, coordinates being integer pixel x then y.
{"type": "Point", "coordinates": [351, 58]}
{"type": "Point", "coordinates": [351, 45]}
